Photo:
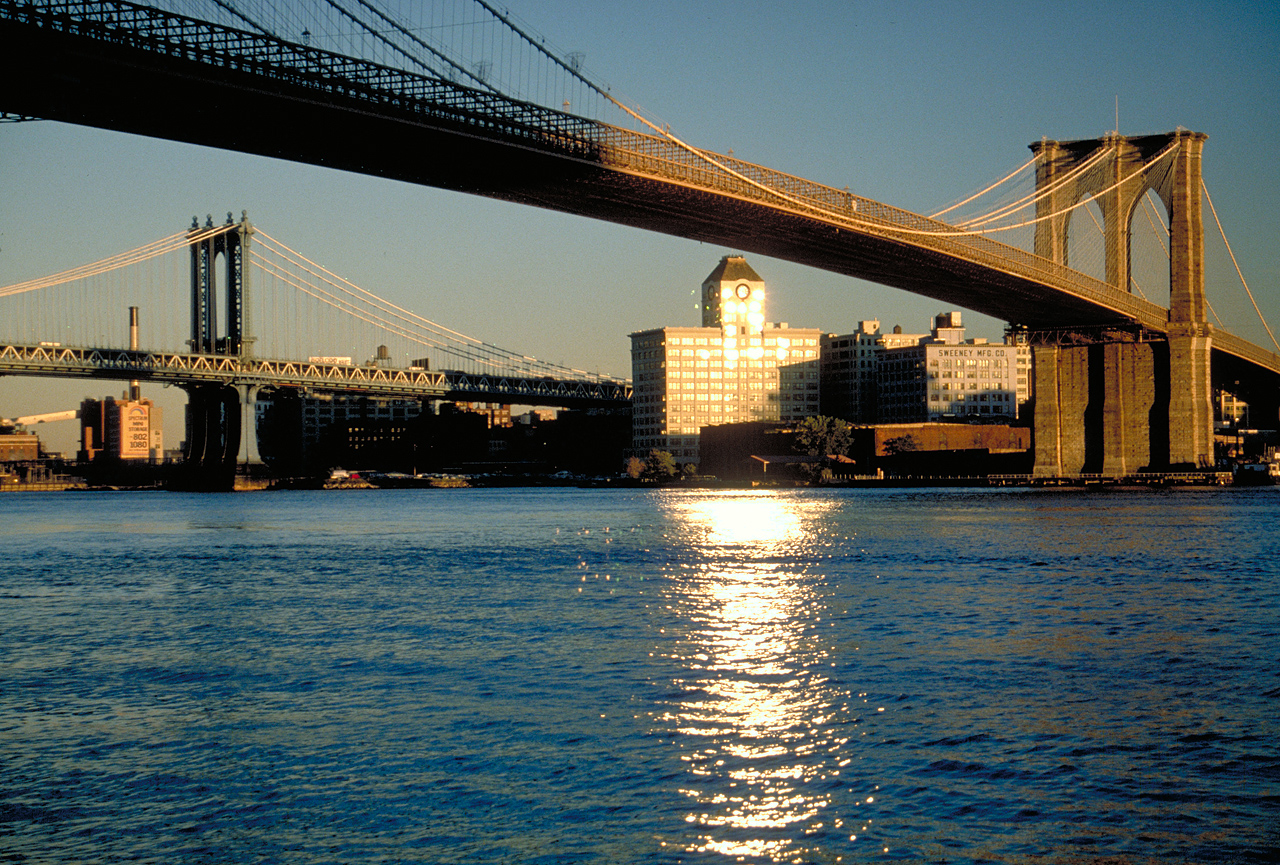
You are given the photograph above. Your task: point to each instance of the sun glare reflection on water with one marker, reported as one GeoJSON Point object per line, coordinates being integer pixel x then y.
{"type": "Point", "coordinates": [762, 730]}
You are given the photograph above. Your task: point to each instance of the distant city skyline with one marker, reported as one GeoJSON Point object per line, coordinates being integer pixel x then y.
{"type": "Point", "coordinates": [911, 104]}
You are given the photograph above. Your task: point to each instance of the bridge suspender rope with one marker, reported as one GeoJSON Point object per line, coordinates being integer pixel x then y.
{"type": "Point", "coordinates": [372, 309]}
{"type": "Point", "coordinates": [291, 268]}
{"type": "Point", "coordinates": [478, 81]}
{"type": "Point", "coordinates": [896, 229]}
{"type": "Point", "coordinates": [1147, 166]}
{"type": "Point", "coordinates": [223, 4]}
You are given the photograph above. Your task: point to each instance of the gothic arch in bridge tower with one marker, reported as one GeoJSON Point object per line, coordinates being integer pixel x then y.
{"type": "Point", "coordinates": [1080, 247]}
{"type": "Point", "coordinates": [1111, 172]}
{"type": "Point", "coordinates": [216, 413]}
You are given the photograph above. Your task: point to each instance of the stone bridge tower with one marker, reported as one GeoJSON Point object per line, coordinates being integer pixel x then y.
{"type": "Point", "coordinates": [1118, 400]}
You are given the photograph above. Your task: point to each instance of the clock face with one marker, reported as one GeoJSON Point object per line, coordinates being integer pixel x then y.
{"type": "Point", "coordinates": [743, 291]}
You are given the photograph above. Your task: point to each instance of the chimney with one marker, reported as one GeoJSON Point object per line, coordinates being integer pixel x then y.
{"type": "Point", "coordinates": [135, 389]}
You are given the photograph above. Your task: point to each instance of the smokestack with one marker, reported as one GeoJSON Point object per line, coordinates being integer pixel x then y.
{"type": "Point", "coordinates": [135, 389]}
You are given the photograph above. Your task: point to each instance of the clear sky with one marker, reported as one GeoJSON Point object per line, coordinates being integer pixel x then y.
{"type": "Point", "coordinates": [913, 104]}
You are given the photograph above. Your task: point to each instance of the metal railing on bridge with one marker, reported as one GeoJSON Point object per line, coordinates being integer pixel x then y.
{"type": "Point", "coordinates": [176, 37]}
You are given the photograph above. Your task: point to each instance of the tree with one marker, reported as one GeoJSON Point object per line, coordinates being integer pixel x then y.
{"type": "Point", "coordinates": [821, 436]}
{"type": "Point", "coordinates": [902, 444]}
{"type": "Point", "coordinates": [659, 466]}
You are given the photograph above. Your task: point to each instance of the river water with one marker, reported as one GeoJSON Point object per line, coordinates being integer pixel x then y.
{"type": "Point", "coordinates": [605, 676]}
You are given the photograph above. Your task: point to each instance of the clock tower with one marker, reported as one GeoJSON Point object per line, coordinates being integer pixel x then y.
{"type": "Point", "coordinates": [733, 298]}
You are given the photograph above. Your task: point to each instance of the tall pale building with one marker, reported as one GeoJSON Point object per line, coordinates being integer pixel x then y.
{"type": "Point", "coordinates": [736, 367]}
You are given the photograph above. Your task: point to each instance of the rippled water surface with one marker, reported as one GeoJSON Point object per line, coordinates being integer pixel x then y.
{"type": "Point", "coordinates": [634, 676]}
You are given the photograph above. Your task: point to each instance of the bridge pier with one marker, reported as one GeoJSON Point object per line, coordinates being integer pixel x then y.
{"type": "Point", "coordinates": [1190, 396]}
{"type": "Point", "coordinates": [1100, 408]}
{"type": "Point", "coordinates": [1128, 373]}
{"type": "Point", "coordinates": [1062, 396]}
{"type": "Point", "coordinates": [249, 454]}
{"type": "Point", "coordinates": [213, 438]}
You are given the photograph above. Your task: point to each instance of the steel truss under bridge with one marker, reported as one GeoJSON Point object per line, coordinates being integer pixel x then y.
{"type": "Point", "coordinates": [190, 369]}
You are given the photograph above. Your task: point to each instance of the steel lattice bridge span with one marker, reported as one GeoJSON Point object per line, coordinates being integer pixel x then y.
{"type": "Point", "coordinates": [185, 369]}
{"type": "Point", "coordinates": [1121, 382]}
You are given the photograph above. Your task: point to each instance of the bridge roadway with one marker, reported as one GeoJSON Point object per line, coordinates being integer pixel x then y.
{"type": "Point", "coordinates": [109, 64]}
{"type": "Point", "coordinates": [195, 369]}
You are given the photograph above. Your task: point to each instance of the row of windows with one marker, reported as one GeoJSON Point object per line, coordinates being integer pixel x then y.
{"type": "Point", "coordinates": [985, 375]}
{"type": "Point", "coordinates": [755, 384]}
{"type": "Point", "coordinates": [981, 397]}
{"type": "Point", "coordinates": [769, 340]}
{"type": "Point", "coordinates": [973, 385]}
{"type": "Point", "coordinates": [971, 363]}
{"type": "Point", "coordinates": [738, 363]}
{"type": "Point", "coordinates": [716, 374]}
{"type": "Point", "coordinates": [970, 409]}
{"type": "Point", "coordinates": [794, 357]}
{"type": "Point", "coordinates": [844, 355]}
{"type": "Point", "coordinates": [686, 402]}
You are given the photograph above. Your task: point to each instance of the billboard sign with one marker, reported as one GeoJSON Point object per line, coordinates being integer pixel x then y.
{"type": "Point", "coordinates": [135, 440]}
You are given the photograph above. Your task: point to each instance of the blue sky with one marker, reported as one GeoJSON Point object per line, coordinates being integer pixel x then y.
{"type": "Point", "coordinates": [913, 104]}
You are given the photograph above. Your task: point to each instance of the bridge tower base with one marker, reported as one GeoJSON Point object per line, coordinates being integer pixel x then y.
{"type": "Point", "coordinates": [1101, 408]}
{"type": "Point", "coordinates": [1190, 396]}
{"type": "Point", "coordinates": [213, 439]}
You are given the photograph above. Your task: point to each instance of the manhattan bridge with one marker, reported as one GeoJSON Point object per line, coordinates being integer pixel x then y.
{"type": "Point", "coordinates": [463, 96]}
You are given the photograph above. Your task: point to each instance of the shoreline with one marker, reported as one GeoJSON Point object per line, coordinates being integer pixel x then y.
{"type": "Point", "coordinates": [1145, 481]}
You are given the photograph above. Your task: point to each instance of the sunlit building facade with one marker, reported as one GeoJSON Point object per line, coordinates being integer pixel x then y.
{"type": "Point", "coordinates": [735, 367]}
{"type": "Point", "coordinates": [872, 377]}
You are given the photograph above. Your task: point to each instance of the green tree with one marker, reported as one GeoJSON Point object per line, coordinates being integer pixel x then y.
{"type": "Point", "coordinates": [659, 466]}
{"type": "Point", "coordinates": [823, 436]}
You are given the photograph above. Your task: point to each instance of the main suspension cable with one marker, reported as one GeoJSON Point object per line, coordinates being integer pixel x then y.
{"type": "Point", "coordinates": [1214, 211]}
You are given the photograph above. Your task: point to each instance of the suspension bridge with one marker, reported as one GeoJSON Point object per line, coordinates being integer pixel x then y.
{"type": "Point", "coordinates": [1122, 381]}
{"type": "Point", "coordinates": [258, 316]}
{"type": "Point", "coordinates": [301, 326]}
